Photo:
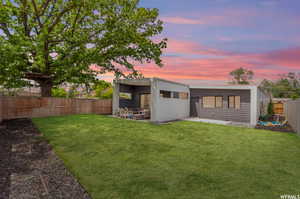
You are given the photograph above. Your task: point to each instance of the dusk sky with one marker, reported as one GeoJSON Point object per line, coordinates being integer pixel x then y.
{"type": "Point", "coordinates": [210, 38]}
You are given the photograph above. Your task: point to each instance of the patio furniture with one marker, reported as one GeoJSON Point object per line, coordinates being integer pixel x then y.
{"type": "Point", "coordinates": [134, 113]}
{"type": "Point", "coordinates": [125, 113]}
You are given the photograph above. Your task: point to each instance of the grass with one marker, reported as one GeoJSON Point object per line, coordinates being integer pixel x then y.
{"type": "Point", "coordinates": [116, 158]}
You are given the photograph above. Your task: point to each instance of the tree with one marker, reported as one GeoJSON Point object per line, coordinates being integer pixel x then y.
{"type": "Point", "coordinates": [241, 76]}
{"type": "Point", "coordinates": [53, 42]}
{"type": "Point", "coordinates": [103, 89]}
{"type": "Point", "coordinates": [267, 86]}
{"type": "Point", "coordinates": [288, 86]}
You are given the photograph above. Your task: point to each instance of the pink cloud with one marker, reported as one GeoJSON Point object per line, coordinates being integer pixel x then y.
{"type": "Point", "coordinates": [285, 57]}
{"type": "Point", "coordinates": [181, 20]}
{"type": "Point", "coordinates": [265, 65]}
{"type": "Point", "coordinates": [228, 17]}
{"type": "Point", "coordinates": [187, 47]}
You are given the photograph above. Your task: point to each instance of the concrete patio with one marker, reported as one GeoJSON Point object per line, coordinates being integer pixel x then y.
{"type": "Point", "coordinates": [229, 123]}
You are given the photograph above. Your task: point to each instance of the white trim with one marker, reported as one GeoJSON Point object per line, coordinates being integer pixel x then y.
{"type": "Point", "coordinates": [253, 106]}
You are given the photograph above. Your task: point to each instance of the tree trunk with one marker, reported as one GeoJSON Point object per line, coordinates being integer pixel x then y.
{"type": "Point", "coordinates": [46, 88]}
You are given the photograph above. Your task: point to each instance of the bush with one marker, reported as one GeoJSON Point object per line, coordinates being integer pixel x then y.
{"type": "Point", "coordinates": [59, 92]}
{"type": "Point", "coordinates": [266, 117]}
{"type": "Point", "coordinates": [295, 96]}
{"type": "Point", "coordinates": [107, 94]}
{"type": "Point", "coordinates": [270, 108]}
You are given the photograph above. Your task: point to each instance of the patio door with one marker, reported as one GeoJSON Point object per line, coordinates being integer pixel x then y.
{"type": "Point", "coordinates": [145, 101]}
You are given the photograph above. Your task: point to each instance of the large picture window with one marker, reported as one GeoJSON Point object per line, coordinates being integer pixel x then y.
{"type": "Point", "coordinates": [212, 102]}
{"type": "Point", "coordinates": [234, 102]}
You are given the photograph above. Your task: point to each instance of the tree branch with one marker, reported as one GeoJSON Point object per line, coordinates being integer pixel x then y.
{"type": "Point", "coordinates": [56, 21]}
{"type": "Point", "coordinates": [25, 19]}
{"type": "Point", "coordinates": [76, 18]}
{"type": "Point", "coordinates": [5, 29]}
{"type": "Point", "coordinates": [44, 7]}
{"type": "Point", "coordinates": [37, 13]}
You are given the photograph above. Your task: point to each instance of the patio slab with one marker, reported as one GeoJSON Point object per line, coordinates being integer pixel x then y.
{"type": "Point", "coordinates": [197, 119]}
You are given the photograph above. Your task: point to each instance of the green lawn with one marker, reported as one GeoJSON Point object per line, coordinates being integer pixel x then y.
{"type": "Point", "coordinates": [116, 158]}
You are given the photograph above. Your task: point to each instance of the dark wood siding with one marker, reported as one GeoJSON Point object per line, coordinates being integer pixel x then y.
{"type": "Point", "coordinates": [135, 91]}
{"type": "Point", "coordinates": [224, 113]}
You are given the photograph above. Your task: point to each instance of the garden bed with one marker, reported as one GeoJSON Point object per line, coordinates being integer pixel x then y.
{"type": "Point", "coordinates": [29, 167]}
{"type": "Point", "coordinates": [285, 129]}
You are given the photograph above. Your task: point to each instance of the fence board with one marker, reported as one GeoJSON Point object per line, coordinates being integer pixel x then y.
{"type": "Point", "coordinates": [292, 113]}
{"type": "Point", "coordinates": [23, 106]}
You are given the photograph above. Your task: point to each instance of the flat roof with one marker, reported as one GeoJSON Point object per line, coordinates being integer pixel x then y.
{"type": "Point", "coordinates": [229, 87]}
{"type": "Point", "coordinates": [145, 81]}
{"type": "Point", "coordinates": [135, 82]}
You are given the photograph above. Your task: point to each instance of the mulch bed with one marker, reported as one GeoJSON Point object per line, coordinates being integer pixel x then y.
{"type": "Point", "coordinates": [284, 129]}
{"type": "Point", "coordinates": [29, 168]}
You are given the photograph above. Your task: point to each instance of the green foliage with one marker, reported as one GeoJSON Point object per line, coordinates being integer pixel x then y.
{"type": "Point", "coordinates": [108, 93]}
{"type": "Point", "coordinates": [59, 92]}
{"type": "Point", "coordinates": [266, 117]}
{"type": "Point", "coordinates": [295, 96]}
{"type": "Point", "coordinates": [241, 76]}
{"type": "Point", "coordinates": [72, 92]}
{"type": "Point", "coordinates": [117, 158]}
{"type": "Point", "coordinates": [103, 89]}
{"type": "Point", "coordinates": [288, 86]}
{"type": "Point", "coordinates": [52, 42]}
{"type": "Point", "coordinates": [270, 108]}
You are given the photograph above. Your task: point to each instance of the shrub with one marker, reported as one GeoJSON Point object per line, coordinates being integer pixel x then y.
{"type": "Point", "coordinates": [107, 94]}
{"type": "Point", "coordinates": [59, 92]}
{"type": "Point", "coordinates": [270, 108]}
{"type": "Point", "coordinates": [266, 117]}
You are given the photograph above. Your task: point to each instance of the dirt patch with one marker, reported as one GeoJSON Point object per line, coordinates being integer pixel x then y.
{"type": "Point", "coordinates": [30, 168]}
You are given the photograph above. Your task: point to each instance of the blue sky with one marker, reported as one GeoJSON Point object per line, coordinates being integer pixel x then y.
{"type": "Point", "coordinates": [216, 36]}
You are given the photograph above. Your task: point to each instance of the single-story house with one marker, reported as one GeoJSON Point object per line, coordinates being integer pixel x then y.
{"type": "Point", "coordinates": [168, 100]}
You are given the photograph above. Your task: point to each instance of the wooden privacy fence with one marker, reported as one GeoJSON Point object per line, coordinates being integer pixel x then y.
{"type": "Point", "coordinates": [20, 107]}
{"type": "Point", "coordinates": [292, 113]}
{"type": "Point", "coordinates": [278, 108]}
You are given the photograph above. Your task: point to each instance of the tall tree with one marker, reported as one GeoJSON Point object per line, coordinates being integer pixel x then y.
{"type": "Point", "coordinates": [288, 86]}
{"type": "Point", "coordinates": [52, 42]}
{"type": "Point", "coordinates": [241, 76]}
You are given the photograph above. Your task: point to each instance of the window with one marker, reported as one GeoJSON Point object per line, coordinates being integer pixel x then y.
{"type": "Point", "coordinates": [234, 102]}
{"type": "Point", "coordinates": [176, 95]}
{"type": "Point", "coordinates": [212, 102]}
{"type": "Point", "coordinates": [183, 95]}
{"type": "Point", "coordinates": [165, 94]}
{"type": "Point", "coordinates": [219, 102]}
{"type": "Point", "coordinates": [209, 102]}
{"type": "Point", "coordinates": [124, 95]}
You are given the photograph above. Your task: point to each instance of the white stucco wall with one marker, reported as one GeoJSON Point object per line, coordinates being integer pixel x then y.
{"type": "Point", "coordinates": [168, 109]}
